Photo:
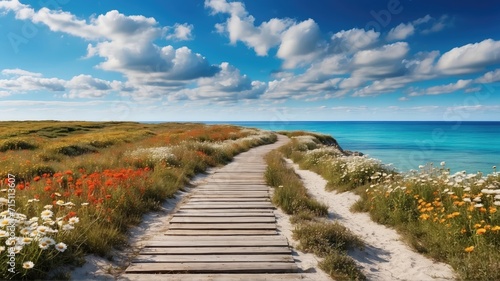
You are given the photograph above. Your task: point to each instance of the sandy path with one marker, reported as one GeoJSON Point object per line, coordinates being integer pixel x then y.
{"type": "Point", "coordinates": [386, 257]}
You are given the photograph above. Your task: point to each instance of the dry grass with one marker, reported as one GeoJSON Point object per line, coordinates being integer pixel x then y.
{"type": "Point", "coordinates": [327, 240]}
{"type": "Point", "coordinates": [84, 183]}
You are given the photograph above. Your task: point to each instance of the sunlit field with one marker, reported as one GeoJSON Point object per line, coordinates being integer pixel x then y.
{"type": "Point", "coordinates": [74, 188]}
{"type": "Point", "coordinates": [452, 218]}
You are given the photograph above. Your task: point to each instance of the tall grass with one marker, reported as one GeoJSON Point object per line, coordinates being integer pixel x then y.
{"type": "Point", "coordinates": [327, 240]}
{"type": "Point", "coordinates": [84, 184]}
{"type": "Point", "coordinates": [452, 218]}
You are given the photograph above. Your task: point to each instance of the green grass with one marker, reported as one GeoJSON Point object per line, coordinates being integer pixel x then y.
{"type": "Point", "coordinates": [92, 165]}
{"type": "Point", "coordinates": [450, 218]}
{"type": "Point", "coordinates": [325, 239]}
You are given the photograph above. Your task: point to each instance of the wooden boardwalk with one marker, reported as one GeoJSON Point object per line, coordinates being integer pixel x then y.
{"type": "Point", "coordinates": [225, 230]}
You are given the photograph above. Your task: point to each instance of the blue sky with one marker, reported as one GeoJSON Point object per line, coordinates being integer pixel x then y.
{"type": "Point", "coordinates": [221, 60]}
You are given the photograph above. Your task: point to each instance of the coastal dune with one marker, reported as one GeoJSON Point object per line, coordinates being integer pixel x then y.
{"type": "Point", "coordinates": [385, 256]}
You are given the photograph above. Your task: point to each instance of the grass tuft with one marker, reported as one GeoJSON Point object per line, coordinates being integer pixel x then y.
{"type": "Point", "coordinates": [327, 240]}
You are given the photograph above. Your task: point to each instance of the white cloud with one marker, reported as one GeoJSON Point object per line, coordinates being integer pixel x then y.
{"type": "Point", "coordinates": [470, 58]}
{"type": "Point", "coordinates": [489, 77]}
{"type": "Point", "coordinates": [423, 20]}
{"type": "Point", "coordinates": [385, 61]}
{"type": "Point", "coordinates": [300, 43]}
{"type": "Point", "coordinates": [444, 89]}
{"type": "Point", "coordinates": [126, 43]}
{"type": "Point", "coordinates": [181, 32]}
{"type": "Point", "coordinates": [22, 11]}
{"type": "Point", "coordinates": [437, 24]}
{"type": "Point", "coordinates": [350, 41]}
{"type": "Point", "coordinates": [424, 25]}
{"type": "Point", "coordinates": [84, 86]}
{"type": "Point", "coordinates": [240, 26]}
{"type": "Point", "coordinates": [19, 72]}
{"type": "Point", "coordinates": [401, 32]}
{"type": "Point", "coordinates": [22, 84]}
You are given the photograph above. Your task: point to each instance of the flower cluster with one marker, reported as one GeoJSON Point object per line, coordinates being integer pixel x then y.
{"type": "Point", "coordinates": [35, 238]}
{"type": "Point", "coordinates": [460, 202]}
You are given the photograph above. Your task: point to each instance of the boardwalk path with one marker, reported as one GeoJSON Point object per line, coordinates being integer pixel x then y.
{"type": "Point", "coordinates": [226, 230]}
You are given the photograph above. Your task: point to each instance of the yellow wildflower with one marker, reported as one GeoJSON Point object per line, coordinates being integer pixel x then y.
{"type": "Point", "coordinates": [424, 216]}
{"type": "Point", "coordinates": [480, 231]}
{"type": "Point", "coordinates": [469, 249]}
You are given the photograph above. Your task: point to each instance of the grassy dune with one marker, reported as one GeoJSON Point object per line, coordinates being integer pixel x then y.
{"type": "Point", "coordinates": [316, 235]}
{"type": "Point", "coordinates": [452, 218]}
{"type": "Point", "coordinates": [80, 185]}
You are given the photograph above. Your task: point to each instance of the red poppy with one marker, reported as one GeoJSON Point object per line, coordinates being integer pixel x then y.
{"type": "Point", "coordinates": [37, 178]}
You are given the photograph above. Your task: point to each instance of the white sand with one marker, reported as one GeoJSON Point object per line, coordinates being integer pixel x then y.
{"type": "Point", "coordinates": [385, 257]}
{"type": "Point", "coordinates": [153, 224]}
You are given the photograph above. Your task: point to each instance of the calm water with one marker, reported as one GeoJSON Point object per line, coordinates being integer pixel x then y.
{"type": "Point", "coordinates": [470, 146]}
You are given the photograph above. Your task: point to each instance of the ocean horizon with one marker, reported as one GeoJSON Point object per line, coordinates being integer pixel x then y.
{"type": "Point", "coordinates": [471, 146]}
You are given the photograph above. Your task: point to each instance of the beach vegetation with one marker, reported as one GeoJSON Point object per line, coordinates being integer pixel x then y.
{"type": "Point", "coordinates": [452, 218]}
{"type": "Point", "coordinates": [80, 186]}
{"type": "Point", "coordinates": [328, 240]}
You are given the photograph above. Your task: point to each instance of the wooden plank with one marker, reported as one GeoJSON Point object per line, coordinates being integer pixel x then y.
{"type": "Point", "coordinates": [203, 226]}
{"type": "Point", "coordinates": [236, 243]}
{"type": "Point", "coordinates": [237, 187]}
{"type": "Point", "coordinates": [215, 250]}
{"type": "Point", "coordinates": [237, 181]}
{"type": "Point", "coordinates": [226, 189]}
{"type": "Point", "coordinates": [265, 204]}
{"type": "Point", "coordinates": [222, 195]}
{"type": "Point", "coordinates": [217, 277]}
{"type": "Point", "coordinates": [237, 192]}
{"type": "Point", "coordinates": [223, 232]}
{"type": "Point", "coordinates": [219, 238]}
{"type": "Point", "coordinates": [223, 220]}
{"type": "Point", "coordinates": [226, 206]}
{"type": "Point", "coordinates": [228, 211]}
{"type": "Point", "coordinates": [235, 267]}
{"type": "Point", "coordinates": [223, 214]}
{"type": "Point", "coordinates": [229, 199]}
{"type": "Point", "coordinates": [213, 258]}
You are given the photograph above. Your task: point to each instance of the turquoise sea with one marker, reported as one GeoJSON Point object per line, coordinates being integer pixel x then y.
{"type": "Point", "coordinates": [470, 146]}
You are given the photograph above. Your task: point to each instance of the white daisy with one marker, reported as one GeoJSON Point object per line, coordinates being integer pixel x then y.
{"type": "Point", "coordinates": [61, 247]}
{"type": "Point", "coordinates": [28, 265]}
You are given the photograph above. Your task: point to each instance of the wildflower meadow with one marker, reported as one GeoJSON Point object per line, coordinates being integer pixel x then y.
{"type": "Point", "coordinates": [74, 188]}
{"type": "Point", "coordinates": [451, 217]}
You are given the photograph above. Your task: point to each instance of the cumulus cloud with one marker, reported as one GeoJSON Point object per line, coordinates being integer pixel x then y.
{"type": "Point", "coordinates": [385, 61]}
{"type": "Point", "coordinates": [20, 81]}
{"type": "Point", "coordinates": [228, 85]}
{"type": "Point", "coordinates": [350, 41]}
{"type": "Point", "coordinates": [489, 77]}
{"type": "Point", "coordinates": [297, 42]}
{"type": "Point", "coordinates": [470, 58]}
{"type": "Point", "coordinates": [401, 32]}
{"type": "Point", "coordinates": [424, 25]}
{"type": "Point", "coordinates": [300, 43]}
{"type": "Point", "coordinates": [436, 25]}
{"type": "Point", "coordinates": [443, 89]}
{"type": "Point", "coordinates": [181, 32]}
{"type": "Point", "coordinates": [240, 26]}
{"type": "Point", "coordinates": [19, 72]}
{"type": "Point", "coordinates": [126, 43]}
